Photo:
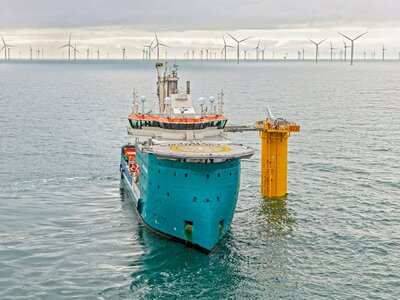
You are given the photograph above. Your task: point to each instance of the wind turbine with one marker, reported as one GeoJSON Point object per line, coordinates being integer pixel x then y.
{"type": "Point", "coordinates": [262, 53]}
{"type": "Point", "coordinates": [352, 44]}
{"type": "Point", "coordinates": [75, 50]}
{"type": "Point", "coordinates": [157, 45]}
{"type": "Point", "coordinates": [123, 53]}
{"type": "Point", "coordinates": [332, 51]}
{"type": "Point", "coordinates": [69, 47]}
{"type": "Point", "coordinates": [257, 50]}
{"type": "Point", "coordinates": [150, 49]}
{"type": "Point", "coordinates": [223, 51]}
{"type": "Point", "coordinates": [238, 43]}
{"type": "Point", "coordinates": [38, 54]}
{"type": "Point", "coordinates": [87, 53]}
{"type": "Point", "coordinates": [6, 48]}
{"type": "Point", "coordinates": [383, 52]}
{"type": "Point", "coordinates": [30, 50]}
{"type": "Point", "coordinates": [345, 50]}
{"type": "Point", "coordinates": [302, 53]}
{"type": "Point", "coordinates": [144, 53]}
{"type": "Point", "coordinates": [98, 54]}
{"type": "Point", "coordinates": [317, 48]}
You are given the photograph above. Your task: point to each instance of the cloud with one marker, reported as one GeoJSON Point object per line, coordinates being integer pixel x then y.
{"type": "Point", "coordinates": [181, 15]}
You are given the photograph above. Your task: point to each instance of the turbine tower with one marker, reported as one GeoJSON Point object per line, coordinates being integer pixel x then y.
{"type": "Point", "coordinates": [75, 50]}
{"type": "Point", "coordinates": [223, 51]}
{"type": "Point", "coordinates": [123, 53]}
{"type": "Point", "coordinates": [98, 54]}
{"type": "Point", "coordinates": [383, 52]}
{"type": "Point", "coordinates": [87, 53]}
{"type": "Point", "coordinates": [238, 44]}
{"type": "Point", "coordinates": [332, 51]}
{"type": "Point", "coordinates": [157, 45]}
{"type": "Point", "coordinates": [317, 48]}
{"type": "Point", "coordinates": [69, 46]}
{"type": "Point", "coordinates": [352, 44]}
{"type": "Point", "coordinates": [30, 51]}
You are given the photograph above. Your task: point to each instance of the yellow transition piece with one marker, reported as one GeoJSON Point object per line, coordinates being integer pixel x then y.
{"type": "Point", "coordinates": [274, 153]}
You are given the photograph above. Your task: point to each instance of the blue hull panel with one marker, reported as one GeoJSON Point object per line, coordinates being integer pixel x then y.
{"type": "Point", "coordinates": [193, 202]}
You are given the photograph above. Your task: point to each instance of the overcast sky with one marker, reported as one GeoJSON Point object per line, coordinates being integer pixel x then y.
{"type": "Point", "coordinates": [282, 25]}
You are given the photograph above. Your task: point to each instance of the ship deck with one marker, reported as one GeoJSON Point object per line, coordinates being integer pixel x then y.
{"type": "Point", "coordinates": [199, 151]}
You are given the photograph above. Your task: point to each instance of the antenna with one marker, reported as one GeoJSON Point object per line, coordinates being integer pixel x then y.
{"type": "Point", "coordinates": [317, 48]}
{"type": "Point", "coordinates": [352, 44]}
{"type": "Point", "coordinates": [238, 44]}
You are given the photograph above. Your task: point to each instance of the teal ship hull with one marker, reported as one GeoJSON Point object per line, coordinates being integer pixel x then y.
{"type": "Point", "coordinates": [191, 202]}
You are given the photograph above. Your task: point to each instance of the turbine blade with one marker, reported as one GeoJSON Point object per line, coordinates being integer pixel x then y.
{"type": "Point", "coordinates": [360, 35]}
{"type": "Point", "coordinates": [322, 41]}
{"type": "Point", "coordinates": [2, 48]}
{"type": "Point", "coordinates": [245, 39]}
{"type": "Point", "coordinates": [233, 37]}
{"type": "Point", "coordinates": [165, 45]}
{"type": "Point", "coordinates": [3, 40]}
{"type": "Point", "coordinates": [312, 42]}
{"type": "Point", "coordinates": [344, 36]}
{"type": "Point", "coordinates": [155, 33]}
{"type": "Point", "coordinates": [62, 46]}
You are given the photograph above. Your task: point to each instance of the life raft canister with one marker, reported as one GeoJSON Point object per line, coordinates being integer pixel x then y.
{"type": "Point", "coordinates": [136, 172]}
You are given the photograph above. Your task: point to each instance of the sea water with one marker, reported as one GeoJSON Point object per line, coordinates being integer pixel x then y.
{"type": "Point", "coordinates": [66, 230]}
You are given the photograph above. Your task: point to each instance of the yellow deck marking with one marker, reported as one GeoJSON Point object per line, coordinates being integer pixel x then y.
{"type": "Point", "coordinates": [200, 148]}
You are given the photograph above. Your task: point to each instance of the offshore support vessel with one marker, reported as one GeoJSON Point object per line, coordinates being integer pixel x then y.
{"type": "Point", "coordinates": [182, 173]}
